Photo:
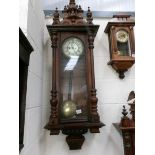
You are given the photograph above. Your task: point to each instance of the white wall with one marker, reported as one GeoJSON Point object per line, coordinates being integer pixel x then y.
{"type": "Point", "coordinates": [97, 5]}
{"type": "Point", "coordinates": [23, 14]}
{"type": "Point", "coordinates": [112, 94]}
{"type": "Point", "coordinates": [39, 78]}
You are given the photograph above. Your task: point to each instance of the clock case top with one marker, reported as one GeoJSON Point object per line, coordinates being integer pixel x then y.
{"type": "Point", "coordinates": [73, 25]}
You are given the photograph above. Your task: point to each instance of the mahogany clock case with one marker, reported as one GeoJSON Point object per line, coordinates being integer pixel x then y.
{"type": "Point", "coordinates": [80, 112]}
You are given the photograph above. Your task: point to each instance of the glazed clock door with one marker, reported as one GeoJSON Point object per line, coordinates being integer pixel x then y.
{"type": "Point", "coordinates": [73, 87]}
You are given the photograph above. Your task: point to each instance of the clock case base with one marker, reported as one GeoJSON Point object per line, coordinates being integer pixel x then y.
{"type": "Point", "coordinates": [74, 132]}
{"type": "Point", "coordinates": [122, 65]}
{"type": "Point", "coordinates": [75, 141]}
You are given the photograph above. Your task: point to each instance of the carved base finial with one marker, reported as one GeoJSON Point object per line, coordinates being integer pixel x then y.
{"type": "Point", "coordinates": [121, 74]}
{"type": "Point", "coordinates": [75, 141]}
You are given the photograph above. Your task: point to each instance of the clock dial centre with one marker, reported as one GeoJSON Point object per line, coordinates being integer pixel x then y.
{"type": "Point", "coordinates": [122, 36]}
{"type": "Point", "coordinates": [72, 47]}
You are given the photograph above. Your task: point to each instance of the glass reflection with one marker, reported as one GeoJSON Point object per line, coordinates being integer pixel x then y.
{"type": "Point", "coordinates": [73, 88]}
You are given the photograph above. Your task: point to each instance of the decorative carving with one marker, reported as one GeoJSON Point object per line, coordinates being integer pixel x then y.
{"type": "Point", "coordinates": [93, 98]}
{"type": "Point", "coordinates": [122, 16]}
{"type": "Point", "coordinates": [53, 121]}
{"type": "Point", "coordinates": [72, 2]}
{"type": "Point", "coordinates": [91, 40]}
{"type": "Point", "coordinates": [124, 112]}
{"type": "Point", "coordinates": [54, 112]}
{"type": "Point", "coordinates": [127, 128]}
{"type": "Point", "coordinates": [113, 43]}
{"type": "Point", "coordinates": [56, 17]}
{"type": "Point", "coordinates": [89, 16]}
{"type": "Point", "coordinates": [94, 113]}
{"type": "Point", "coordinates": [127, 139]}
{"type": "Point", "coordinates": [74, 131]}
{"type": "Point", "coordinates": [72, 14]}
{"type": "Point", "coordinates": [125, 121]}
{"type": "Point", "coordinates": [80, 12]}
{"type": "Point", "coordinates": [75, 141]}
{"type": "Point", "coordinates": [54, 39]}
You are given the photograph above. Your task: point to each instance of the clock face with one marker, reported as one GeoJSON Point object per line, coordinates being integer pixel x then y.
{"type": "Point", "coordinates": [72, 47]}
{"type": "Point", "coordinates": [122, 36]}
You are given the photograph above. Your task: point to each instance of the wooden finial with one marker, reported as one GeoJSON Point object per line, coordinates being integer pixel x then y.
{"type": "Point", "coordinates": [72, 2]}
{"type": "Point", "coordinates": [79, 7]}
{"type": "Point", "coordinates": [65, 8]}
{"type": "Point", "coordinates": [124, 112]}
{"type": "Point", "coordinates": [89, 16]}
{"type": "Point", "coordinates": [56, 17]}
{"type": "Point", "coordinates": [125, 121]}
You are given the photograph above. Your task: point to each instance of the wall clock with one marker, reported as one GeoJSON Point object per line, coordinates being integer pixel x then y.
{"type": "Point", "coordinates": [126, 126]}
{"type": "Point", "coordinates": [121, 43]}
{"type": "Point", "coordinates": [74, 101]}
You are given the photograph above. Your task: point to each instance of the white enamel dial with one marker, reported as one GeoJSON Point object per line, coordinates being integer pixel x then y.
{"type": "Point", "coordinates": [122, 36]}
{"type": "Point", "coordinates": [72, 47]}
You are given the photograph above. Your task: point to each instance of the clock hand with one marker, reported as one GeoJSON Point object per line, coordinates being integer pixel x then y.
{"type": "Point", "coordinates": [72, 46]}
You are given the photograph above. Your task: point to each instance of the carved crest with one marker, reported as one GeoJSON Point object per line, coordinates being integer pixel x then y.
{"type": "Point", "coordinates": [72, 15]}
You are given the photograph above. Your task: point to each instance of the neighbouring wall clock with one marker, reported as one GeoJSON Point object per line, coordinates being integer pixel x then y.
{"type": "Point", "coordinates": [121, 43]}
{"type": "Point", "coordinates": [74, 101]}
{"type": "Point", "coordinates": [126, 126]}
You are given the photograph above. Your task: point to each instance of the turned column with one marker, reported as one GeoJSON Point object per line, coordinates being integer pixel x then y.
{"type": "Point", "coordinates": [93, 98]}
{"type": "Point", "coordinates": [54, 93]}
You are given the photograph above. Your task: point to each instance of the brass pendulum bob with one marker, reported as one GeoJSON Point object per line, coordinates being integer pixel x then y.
{"type": "Point", "coordinates": [69, 106]}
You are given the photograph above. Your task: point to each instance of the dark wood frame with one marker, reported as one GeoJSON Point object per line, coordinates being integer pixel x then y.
{"type": "Point", "coordinates": [126, 127]}
{"type": "Point", "coordinates": [128, 135]}
{"type": "Point", "coordinates": [120, 63]}
{"type": "Point", "coordinates": [25, 50]}
{"type": "Point", "coordinates": [72, 24]}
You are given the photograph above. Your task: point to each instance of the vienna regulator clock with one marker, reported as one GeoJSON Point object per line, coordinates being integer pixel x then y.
{"type": "Point", "coordinates": [74, 101]}
{"type": "Point", "coordinates": [121, 43]}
